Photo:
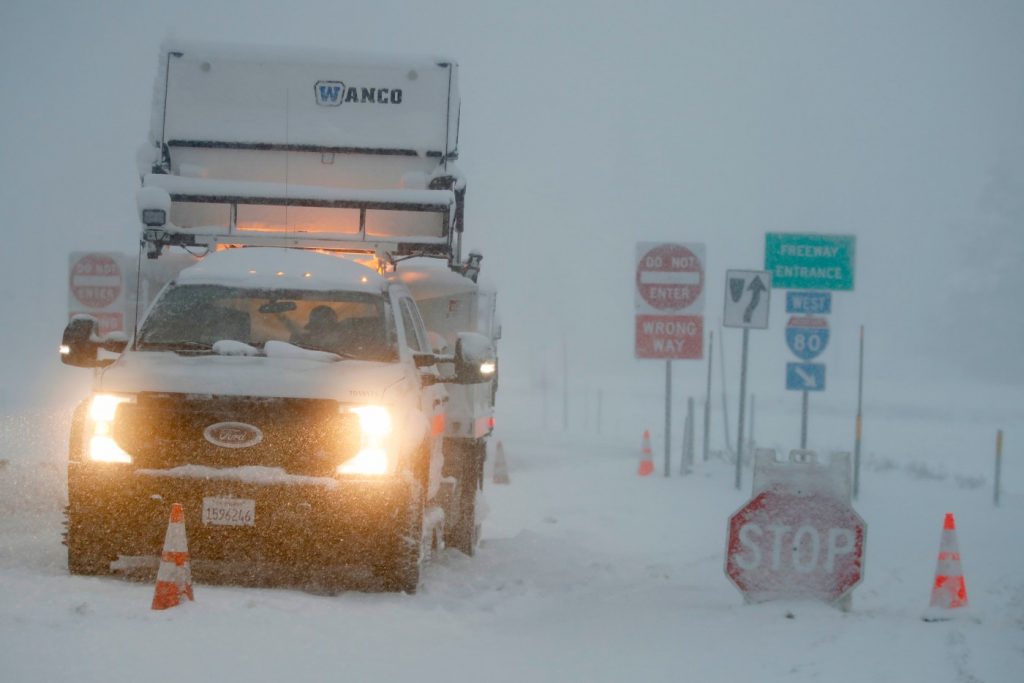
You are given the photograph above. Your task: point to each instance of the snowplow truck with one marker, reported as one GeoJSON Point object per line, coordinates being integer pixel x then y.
{"type": "Point", "coordinates": [315, 380]}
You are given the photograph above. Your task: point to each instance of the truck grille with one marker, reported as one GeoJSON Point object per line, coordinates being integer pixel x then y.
{"type": "Point", "coordinates": [302, 436]}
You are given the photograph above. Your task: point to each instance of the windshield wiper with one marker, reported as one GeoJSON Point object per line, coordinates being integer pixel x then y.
{"type": "Point", "coordinates": [177, 345]}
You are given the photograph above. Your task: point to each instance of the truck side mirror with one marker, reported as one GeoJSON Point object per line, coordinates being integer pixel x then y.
{"type": "Point", "coordinates": [475, 358]}
{"type": "Point", "coordinates": [80, 343]}
{"type": "Point", "coordinates": [424, 360]}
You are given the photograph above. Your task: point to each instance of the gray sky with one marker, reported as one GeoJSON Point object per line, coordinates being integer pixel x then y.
{"type": "Point", "coordinates": [587, 127]}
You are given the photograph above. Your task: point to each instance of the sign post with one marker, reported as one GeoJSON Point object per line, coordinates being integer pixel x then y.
{"type": "Point", "coordinates": [707, 400]}
{"type": "Point", "coordinates": [859, 424]}
{"type": "Point", "coordinates": [806, 337]}
{"type": "Point", "coordinates": [747, 295]}
{"type": "Point", "coordinates": [818, 262]}
{"type": "Point", "coordinates": [669, 301]}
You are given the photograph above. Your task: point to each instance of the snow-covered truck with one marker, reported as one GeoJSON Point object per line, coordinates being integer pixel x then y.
{"type": "Point", "coordinates": [317, 384]}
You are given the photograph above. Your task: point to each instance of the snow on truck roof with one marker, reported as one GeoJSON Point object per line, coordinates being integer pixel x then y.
{"type": "Point", "coordinates": [280, 54]}
{"type": "Point", "coordinates": [279, 268]}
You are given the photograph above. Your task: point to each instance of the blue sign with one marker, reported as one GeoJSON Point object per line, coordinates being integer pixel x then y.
{"type": "Point", "coordinates": [809, 303]}
{"type": "Point", "coordinates": [807, 336]}
{"type": "Point", "coordinates": [805, 376]}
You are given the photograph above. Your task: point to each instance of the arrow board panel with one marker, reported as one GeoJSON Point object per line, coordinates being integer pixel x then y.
{"type": "Point", "coordinates": [747, 295]}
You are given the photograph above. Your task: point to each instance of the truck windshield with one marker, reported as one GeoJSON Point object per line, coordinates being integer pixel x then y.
{"type": "Point", "coordinates": [192, 318]}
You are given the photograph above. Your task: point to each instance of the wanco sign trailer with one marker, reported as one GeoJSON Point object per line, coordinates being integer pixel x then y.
{"type": "Point", "coordinates": [669, 298]}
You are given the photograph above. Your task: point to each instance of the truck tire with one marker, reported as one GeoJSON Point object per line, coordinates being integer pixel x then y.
{"type": "Point", "coordinates": [465, 532]}
{"type": "Point", "coordinates": [89, 551]}
{"type": "Point", "coordinates": [400, 570]}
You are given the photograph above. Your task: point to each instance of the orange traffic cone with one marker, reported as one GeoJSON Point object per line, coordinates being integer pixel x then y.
{"type": "Point", "coordinates": [174, 577]}
{"type": "Point", "coordinates": [646, 460]}
{"type": "Point", "coordinates": [500, 475]}
{"type": "Point", "coordinates": [949, 594]}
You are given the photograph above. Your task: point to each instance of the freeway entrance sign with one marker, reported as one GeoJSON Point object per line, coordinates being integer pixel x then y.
{"type": "Point", "coordinates": [805, 377]}
{"type": "Point", "coordinates": [807, 336]}
{"type": "Point", "coordinates": [808, 261]}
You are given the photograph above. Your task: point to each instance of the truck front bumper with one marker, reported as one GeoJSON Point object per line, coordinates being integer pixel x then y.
{"type": "Point", "coordinates": [298, 521]}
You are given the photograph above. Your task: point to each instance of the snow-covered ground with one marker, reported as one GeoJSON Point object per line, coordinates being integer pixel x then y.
{"type": "Point", "coordinates": [586, 573]}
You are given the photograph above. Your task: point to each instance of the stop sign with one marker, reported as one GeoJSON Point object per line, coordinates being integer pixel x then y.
{"type": "Point", "coordinates": [793, 544]}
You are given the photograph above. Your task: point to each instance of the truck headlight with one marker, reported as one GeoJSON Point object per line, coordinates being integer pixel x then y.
{"type": "Point", "coordinates": [374, 455]}
{"type": "Point", "coordinates": [100, 428]}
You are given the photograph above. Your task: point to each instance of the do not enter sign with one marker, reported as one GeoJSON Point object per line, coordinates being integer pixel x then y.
{"type": "Point", "coordinates": [794, 545]}
{"type": "Point", "coordinates": [670, 278]}
{"type": "Point", "coordinates": [95, 280]}
{"type": "Point", "coordinates": [669, 299]}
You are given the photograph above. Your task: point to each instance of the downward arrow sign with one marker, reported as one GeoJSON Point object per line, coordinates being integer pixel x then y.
{"type": "Point", "coordinates": [809, 380]}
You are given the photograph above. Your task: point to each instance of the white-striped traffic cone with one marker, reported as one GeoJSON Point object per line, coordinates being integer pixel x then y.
{"type": "Point", "coordinates": [174, 578]}
{"type": "Point", "coordinates": [646, 457]}
{"type": "Point", "coordinates": [949, 592]}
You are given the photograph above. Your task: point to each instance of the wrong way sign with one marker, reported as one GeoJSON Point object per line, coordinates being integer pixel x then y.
{"type": "Point", "coordinates": [669, 299]}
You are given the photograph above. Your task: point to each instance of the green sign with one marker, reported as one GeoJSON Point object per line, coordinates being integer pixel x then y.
{"type": "Point", "coordinates": [798, 261]}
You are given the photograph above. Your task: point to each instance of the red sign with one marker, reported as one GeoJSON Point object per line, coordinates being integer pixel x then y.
{"type": "Point", "coordinates": [670, 336]}
{"type": "Point", "coordinates": [95, 280]}
{"type": "Point", "coordinates": [670, 278]}
{"type": "Point", "coordinates": [786, 544]}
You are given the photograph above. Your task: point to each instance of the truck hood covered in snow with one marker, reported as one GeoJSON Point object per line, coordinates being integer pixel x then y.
{"type": "Point", "coordinates": [167, 372]}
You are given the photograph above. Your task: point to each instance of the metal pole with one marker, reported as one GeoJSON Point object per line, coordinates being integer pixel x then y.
{"type": "Point", "coordinates": [743, 401]}
{"type": "Point", "coordinates": [686, 463]}
{"type": "Point", "coordinates": [668, 417]}
{"type": "Point", "coordinates": [725, 403]}
{"type": "Point", "coordinates": [600, 409]}
{"type": "Point", "coordinates": [803, 422]}
{"type": "Point", "coordinates": [565, 384]}
{"type": "Point", "coordinates": [707, 399]}
{"type": "Point", "coordinates": [750, 436]}
{"type": "Point", "coordinates": [860, 396]}
{"type": "Point", "coordinates": [999, 465]}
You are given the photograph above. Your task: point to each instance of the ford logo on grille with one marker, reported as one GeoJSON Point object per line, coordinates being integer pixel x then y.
{"type": "Point", "coordinates": [233, 435]}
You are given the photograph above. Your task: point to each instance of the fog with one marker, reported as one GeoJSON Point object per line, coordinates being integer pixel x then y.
{"type": "Point", "coordinates": [586, 127]}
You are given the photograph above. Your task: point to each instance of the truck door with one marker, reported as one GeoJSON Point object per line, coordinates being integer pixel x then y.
{"type": "Point", "coordinates": [433, 397]}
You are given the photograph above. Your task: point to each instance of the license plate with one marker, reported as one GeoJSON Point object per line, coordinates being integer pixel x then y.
{"type": "Point", "coordinates": [229, 511]}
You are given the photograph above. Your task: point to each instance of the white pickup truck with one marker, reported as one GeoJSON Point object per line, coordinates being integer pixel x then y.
{"type": "Point", "coordinates": [313, 390]}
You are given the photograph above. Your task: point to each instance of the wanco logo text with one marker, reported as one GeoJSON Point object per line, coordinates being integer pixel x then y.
{"type": "Point", "coordinates": [333, 93]}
